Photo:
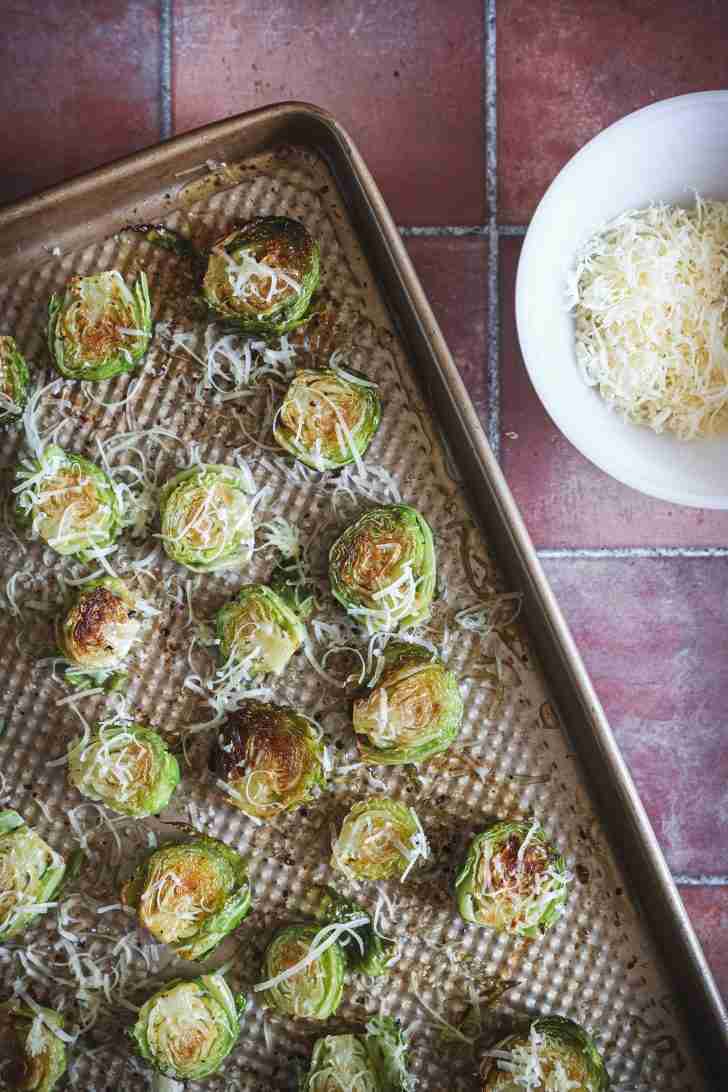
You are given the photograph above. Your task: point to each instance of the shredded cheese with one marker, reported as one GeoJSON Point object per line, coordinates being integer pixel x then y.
{"type": "Point", "coordinates": [650, 296]}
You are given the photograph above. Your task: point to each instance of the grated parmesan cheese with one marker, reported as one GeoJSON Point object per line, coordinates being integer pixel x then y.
{"type": "Point", "coordinates": [650, 296]}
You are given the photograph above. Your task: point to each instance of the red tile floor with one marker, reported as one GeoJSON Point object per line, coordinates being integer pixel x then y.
{"type": "Point", "coordinates": [465, 112]}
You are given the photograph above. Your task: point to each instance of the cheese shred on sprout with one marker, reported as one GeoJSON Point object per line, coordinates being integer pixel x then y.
{"type": "Point", "coordinates": [650, 296]}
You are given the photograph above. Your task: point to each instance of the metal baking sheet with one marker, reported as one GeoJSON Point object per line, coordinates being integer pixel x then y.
{"type": "Point", "coordinates": [623, 959]}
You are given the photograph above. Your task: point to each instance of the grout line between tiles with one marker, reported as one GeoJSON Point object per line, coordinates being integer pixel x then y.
{"type": "Point", "coordinates": [632, 551]}
{"type": "Point", "coordinates": [491, 196]}
{"type": "Point", "coordinates": [165, 68]}
{"type": "Point", "coordinates": [512, 229]}
{"type": "Point", "coordinates": [443, 232]}
{"type": "Point", "coordinates": [700, 881]}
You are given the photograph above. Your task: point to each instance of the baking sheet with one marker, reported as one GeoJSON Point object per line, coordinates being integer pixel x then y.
{"type": "Point", "coordinates": [598, 965]}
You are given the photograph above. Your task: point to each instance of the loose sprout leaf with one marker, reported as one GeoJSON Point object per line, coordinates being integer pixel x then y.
{"type": "Point", "coordinates": [373, 953]}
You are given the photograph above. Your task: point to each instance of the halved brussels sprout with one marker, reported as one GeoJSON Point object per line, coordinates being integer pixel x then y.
{"type": "Point", "coordinates": [555, 1053]}
{"type": "Point", "coordinates": [99, 327]}
{"type": "Point", "coordinates": [14, 379]}
{"type": "Point", "coordinates": [314, 991]}
{"type": "Point", "coordinates": [187, 1029]}
{"type": "Point", "coordinates": [258, 632]}
{"type": "Point", "coordinates": [207, 518]}
{"type": "Point", "coordinates": [100, 626]}
{"type": "Point", "coordinates": [68, 502]}
{"type": "Point", "coordinates": [30, 874]}
{"type": "Point", "coordinates": [414, 711]}
{"type": "Point", "coordinates": [375, 1062]}
{"type": "Point", "coordinates": [328, 417]}
{"type": "Point", "coordinates": [270, 759]}
{"type": "Point", "coordinates": [512, 880]}
{"type": "Point", "coordinates": [32, 1055]}
{"type": "Point", "coordinates": [190, 895]}
{"type": "Point", "coordinates": [262, 276]}
{"type": "Point", "coordinates": [367, 952]}
{"type": "Point", "coordinates": [127, 766]}
{"type": "Point", "coordinates": [379, 838]}
{"type": "Point", "coordinates": [383, 569]}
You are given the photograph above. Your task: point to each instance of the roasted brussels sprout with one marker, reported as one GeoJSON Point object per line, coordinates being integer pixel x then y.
{"type": "Point", "coordinates": [207, 518]}
{"type": "Point", "coordinates": [190, 895]}
{"type": "Point", "coordinates": [30, 874]}
{"type": "Point", "coordinates": [379, 838]}
{"type": "Point", "coordinates": [258, 632]}
{"type": "Point", "coordinates": [368, 952]}
{"type": "Point", "coordinates": [262, 276]}
{"type": "Point", "coordinates": [269, 759]}
{"type": "Point", "coordinates": [382, 568]}
{"type": "Point", "coordinates": [32, 1054]}
{"type": "Point", "coordinates": [187, 1029]}
{"type": "Point", "coordinates": [14, 379]}
{"type": "Point", "coordinates": [512, 880]}
{"type": "Point", "coordinates": [375, 1062]}
{"type": "Point", "coordinates": [100, 626]}
{"type": "Point", "coordinates": [554, 1054]}
{"type": "Point", "coordinates": [69, 502]}
{"type": "Point", "coordinates": [328, 417]}
{"type": "Point", "coordinates": [99, 327]}
{"type": "Point", "coordinates": [313, 990]}
{"type": "Point", "coordinates": [127, 766]}
{"type": "Point", "coordinates": [413, 712]}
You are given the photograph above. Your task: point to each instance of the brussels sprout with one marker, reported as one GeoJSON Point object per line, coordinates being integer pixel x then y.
{"type": "Point", "coordinates": [512, 880]}
{"type": "Point", "coordinates": [187, 1029]}
{"type": "Point", "coordinates": [375, 1062]}
{"type": "Point", "coordinates": [207, 518]}
{"type": "Point", "coordinates": [328, 417]}
{"type": "Point", "coordinates": [190, 895]}
{"type": "Point", "coordinates": [414, 711]}
{"type": "Point", "coordinates": [269, 758]}
{"type": "Point", "coordinates": [99, 327]}
{"type": "Point", "coordinates": [379, 838]}
{"type": "Point", "coordinates": [127, 766]}
{"type": "Point", "coordinates": [30, 874]}
{"type": "Point", "coordinates": [32, 1055]}
{"type": "Point", "coordinates": [100, 626]}
{"type": "Point", "coordinates": [68, 502]}
{"type": "Point", "coordinates": [258, 632]}
{"type": "Point", "coordinates": [14, 379]}
{"type": "Point", "coordinates": [314, 990]}
{"type": "Point", "coordinates": [368, 953]}
{"type": "Point", "coordinates": [382, 568]}
{"type": "Point", "coordinates": [555, 1053]}
{"type": "Point", "coordinates": [262, 276]}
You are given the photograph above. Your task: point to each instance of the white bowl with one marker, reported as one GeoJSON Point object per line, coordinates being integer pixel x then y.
{"type": "Point", "coordinates": [664, 152]}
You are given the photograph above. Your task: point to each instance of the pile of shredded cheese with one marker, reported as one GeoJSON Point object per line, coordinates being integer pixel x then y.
{"type": "Point", "coordinates": [650, 296]}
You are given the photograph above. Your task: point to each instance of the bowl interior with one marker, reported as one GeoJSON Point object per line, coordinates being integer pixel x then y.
{"type": "Point", "coordinates": [666, 152]}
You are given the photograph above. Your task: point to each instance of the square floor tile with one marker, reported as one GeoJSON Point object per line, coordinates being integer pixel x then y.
{"type": "Point", "coordinates": [405, 78]}
{"type": "Point", "coordinates": [566, 70]}
{"type": "Point", "coordinates": [79, 84]}
{"type": "Point", "coordinates": [564, 499]}
{"type": "Point", "coordinates": [454, 275]}
{"type": "Point", "coordinates": [653, 633]}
